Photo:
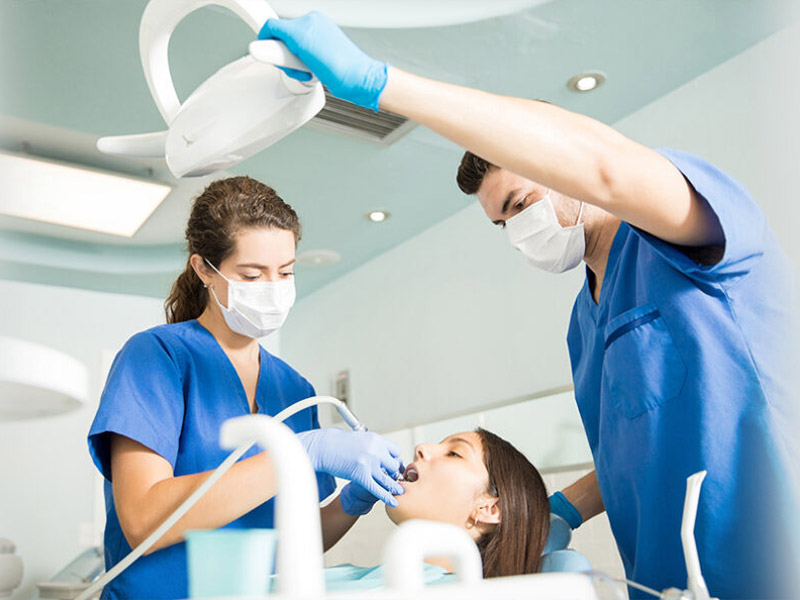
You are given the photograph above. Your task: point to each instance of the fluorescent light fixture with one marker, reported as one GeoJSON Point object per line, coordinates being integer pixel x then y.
{"type": "Point", "coordinates": [378, 216]}
{"type": "Point", "coordinates": [76, 197]}
{"type": "Point", "coordinates": [586, 82]}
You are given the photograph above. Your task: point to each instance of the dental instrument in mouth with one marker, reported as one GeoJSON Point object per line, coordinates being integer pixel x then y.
{"type": "Point", "coordinates": [410, 474]}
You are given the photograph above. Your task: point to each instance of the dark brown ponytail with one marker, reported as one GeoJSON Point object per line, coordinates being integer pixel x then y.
{"type": "Point", "coordinates": [223, 209]}
{"type": "Point", "coordinates": [514, 546]}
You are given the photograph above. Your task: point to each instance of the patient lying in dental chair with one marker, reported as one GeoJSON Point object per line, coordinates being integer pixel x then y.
{"type": "Point", "coordinates": [478, 481]}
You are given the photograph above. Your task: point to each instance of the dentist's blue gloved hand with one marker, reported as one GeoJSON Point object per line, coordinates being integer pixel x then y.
{"type": "Point", "coordinates": [337, 62]}
{"type": "Point", "coordinates": [562, 507]}
{"type": "Point", "coordinates": [356, 501]}
{"type": "Point", "coordinates": [366, 458]}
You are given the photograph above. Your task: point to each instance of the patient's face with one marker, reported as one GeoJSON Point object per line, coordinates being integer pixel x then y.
{"type": "Point", "coordinates": [448, 480]}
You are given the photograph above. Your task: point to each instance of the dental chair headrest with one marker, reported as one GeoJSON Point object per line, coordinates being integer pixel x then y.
{"type": "Point", "coordinates": [560, 535]}
{"type": "Point", "coordinates": [556, 557]}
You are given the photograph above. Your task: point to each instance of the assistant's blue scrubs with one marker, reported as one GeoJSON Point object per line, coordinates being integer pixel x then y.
{"type": "Point", "coordinates": [170, 389]}
{"type": "Point", "coordinates": [682, 367]}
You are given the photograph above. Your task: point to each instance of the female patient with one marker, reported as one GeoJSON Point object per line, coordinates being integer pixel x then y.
{"type": "Point", "coordinates": [478, 481]}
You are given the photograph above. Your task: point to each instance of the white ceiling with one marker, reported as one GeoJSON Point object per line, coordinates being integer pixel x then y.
{"type": "Point", "coordinates": [71, 73]}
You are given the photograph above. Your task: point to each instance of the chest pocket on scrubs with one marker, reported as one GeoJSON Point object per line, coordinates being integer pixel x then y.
{"type": "Point", "coordinates": [641, 367]}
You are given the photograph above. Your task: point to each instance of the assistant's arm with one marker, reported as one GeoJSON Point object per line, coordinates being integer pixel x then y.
{"type": "Point", "coordinates": [584, 496]}
{"type": "Point", "coordinates": [335, 523]}
{"type": "Point", "coordinates": [146, 492]}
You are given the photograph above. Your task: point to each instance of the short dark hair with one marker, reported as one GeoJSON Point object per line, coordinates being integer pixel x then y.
{"type": "Point", "coordinates": [471, 172]}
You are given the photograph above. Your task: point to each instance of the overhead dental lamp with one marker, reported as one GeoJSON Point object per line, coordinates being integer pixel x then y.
{"type": "Point", "coordinates": [411, 14]}
{"type": "Point", "coordinates": [37, 381]}
{"type": "Point", "coordinates": [241, 109]}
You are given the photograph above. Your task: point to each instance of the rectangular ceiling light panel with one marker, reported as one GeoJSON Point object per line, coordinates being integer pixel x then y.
{"type": "Point", "coordinates": [75, 197]}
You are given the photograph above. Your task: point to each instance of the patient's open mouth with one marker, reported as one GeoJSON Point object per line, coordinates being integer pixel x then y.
{"type": "Point", "coordinates": [410, 474]}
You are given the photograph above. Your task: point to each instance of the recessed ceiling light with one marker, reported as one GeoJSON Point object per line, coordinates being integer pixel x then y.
{"type": "Point", "coordinates": [76, 197]}
{"type": "Point", "coordinates": [318, 258]}
{"type": "Point", "coordinates": [378, 216]}
{"type": "Point", "coordinates": [586, 82]}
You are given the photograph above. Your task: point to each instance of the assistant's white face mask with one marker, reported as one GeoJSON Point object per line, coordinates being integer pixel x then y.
{"type": "Point", "coordinates": [256, 308]}
{"type": "Point", "coordinates": [537, 233]}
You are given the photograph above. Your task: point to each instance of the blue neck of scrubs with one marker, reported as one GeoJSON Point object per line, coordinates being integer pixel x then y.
{"type": "Point", "coordinates": [596, 308]}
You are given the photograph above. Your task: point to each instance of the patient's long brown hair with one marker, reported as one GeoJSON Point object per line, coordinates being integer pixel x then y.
{"type": "Point", "coordinates": [514, 546]}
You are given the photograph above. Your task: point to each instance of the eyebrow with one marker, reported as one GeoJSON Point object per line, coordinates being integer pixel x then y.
{"type": "Point", "coordinates": [260, 266]}
{"type": "Point", "coordinates": [511, 195]}
{"type": "Point", "coordinates": [456, 440]}
{"type": "Point", "coordinates": [509, 199]}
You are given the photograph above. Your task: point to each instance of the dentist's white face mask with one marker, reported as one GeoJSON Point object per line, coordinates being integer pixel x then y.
{"type": "Point", "coordinates": [537, 233]}
{"type": "Point", "coordinates": [256, 308]}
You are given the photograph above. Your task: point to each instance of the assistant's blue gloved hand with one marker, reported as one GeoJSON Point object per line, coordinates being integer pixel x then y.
{"type": "Point", "coordinates": [564, 509]}
{"type": "Point", "coordinates": [356, 501]}
{"type": "Point", "coordinates": [367, 458]}
{"type": "Point", "coordinates": [337, 62]}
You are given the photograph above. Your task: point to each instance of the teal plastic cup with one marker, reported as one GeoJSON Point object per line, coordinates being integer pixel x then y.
{"type": "Point", "coordinates": [229, 563]}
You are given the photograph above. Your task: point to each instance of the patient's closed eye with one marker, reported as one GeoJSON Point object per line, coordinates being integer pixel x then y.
{"type": "Point", "coordinates": [453, 453]}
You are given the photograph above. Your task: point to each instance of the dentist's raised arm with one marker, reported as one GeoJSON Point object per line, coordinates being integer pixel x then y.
{"type": "Point", "coordinates": [568, 152]}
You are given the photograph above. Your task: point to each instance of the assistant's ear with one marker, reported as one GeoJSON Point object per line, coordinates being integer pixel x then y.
{"type": "Point", "coordinates": [200, 268]}
{"type": "Point", "coordinates": [487, 512]}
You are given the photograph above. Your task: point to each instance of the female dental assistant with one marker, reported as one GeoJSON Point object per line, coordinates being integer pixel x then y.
{"type": "Point", "coordinates": [155, 435]}
{"type": "Point", "coordinates": [680, 340]}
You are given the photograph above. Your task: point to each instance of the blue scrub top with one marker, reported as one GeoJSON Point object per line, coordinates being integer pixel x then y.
{"type": "Point", "coordinates": [682, 367]}
{"type": "Point", "coordinates": [170, 388]}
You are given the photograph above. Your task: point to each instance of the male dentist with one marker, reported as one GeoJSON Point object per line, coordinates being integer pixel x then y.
{"type": "Point", "coordinates": [679, 339]}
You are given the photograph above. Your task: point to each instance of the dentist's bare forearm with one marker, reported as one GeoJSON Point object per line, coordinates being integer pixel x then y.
{"type": "Point", "coordinates": [585, 496]}
{"type": "Point", "coordinates": [335, 523]}
{"type": "Point", "coordinates": [568, 152]}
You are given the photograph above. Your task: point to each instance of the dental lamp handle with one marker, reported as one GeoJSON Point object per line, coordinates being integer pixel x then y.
{"type": "Point", "coordinates": [347, 71]}
{"type": "Point", "coordinates": [276, 53]}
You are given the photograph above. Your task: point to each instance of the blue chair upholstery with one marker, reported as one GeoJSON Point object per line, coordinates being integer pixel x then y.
{"type": "Point", "coordinates": [556, 556]}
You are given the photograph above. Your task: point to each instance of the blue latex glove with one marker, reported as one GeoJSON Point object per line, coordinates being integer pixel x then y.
{"type": "Point", "coordinates": [356, 501]}
{"type": "Point", "coordinates": [360, 456]}
{"type": "Point", "coordinates": [564, 509]}
{"type": "Point", "coordinates": [337, 62]}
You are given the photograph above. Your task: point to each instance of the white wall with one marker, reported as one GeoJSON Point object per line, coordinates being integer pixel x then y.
{"type": "Point", "coordinates": [743, 116]}
{"type": "Point", "coordinates": [48, 480]}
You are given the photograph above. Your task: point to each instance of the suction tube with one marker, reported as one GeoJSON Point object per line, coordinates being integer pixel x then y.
{"type": "Point", "coordinates": [345, 412]}
{"type": "Point", "coordinates": [287, 412]}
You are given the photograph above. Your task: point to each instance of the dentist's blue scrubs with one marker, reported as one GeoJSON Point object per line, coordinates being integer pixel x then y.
{"type": "Point", "coordinates": [170, 389]}
{"type": "Point", "coordinates": [684, 365]}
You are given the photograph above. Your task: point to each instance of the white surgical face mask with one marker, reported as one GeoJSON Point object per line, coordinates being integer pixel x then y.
{"type": "Point", "coordinates": [537, 233]}
{"type": "Point", "coordinates": [256, 308]}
